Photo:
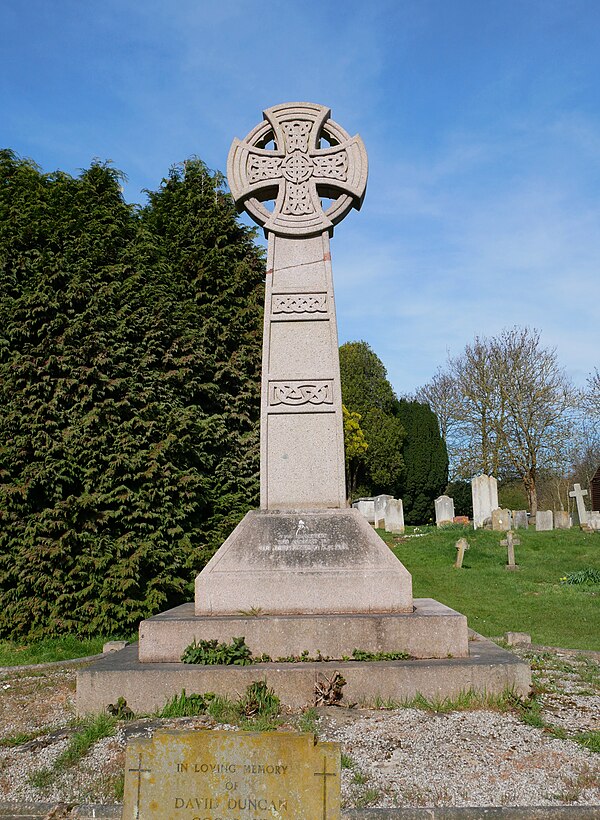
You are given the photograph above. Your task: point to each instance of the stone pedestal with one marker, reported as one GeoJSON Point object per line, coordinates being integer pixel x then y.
{"type": "Point", "coordinates": [303, 562]}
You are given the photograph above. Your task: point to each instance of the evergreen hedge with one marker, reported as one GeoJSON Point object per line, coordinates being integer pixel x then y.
{"type": "Point", "coordinates": [130, 344]}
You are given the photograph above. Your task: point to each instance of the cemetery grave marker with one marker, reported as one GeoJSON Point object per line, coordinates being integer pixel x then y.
{"type": "Point", "coordinates": [484, 489]}
{"type": "Point", "coordinates": [577, 493]}
{"type": "Point", "coordinates": [520, 520]}
{"type": "Point", "coordinates": [562, 520]}
{"type": "Point", "coordinates": [444, 510]}
{"type": "Point", "coordinates": [209, 774]}
{"type": "Point", "coordinates": [379, 508]}
{"type": "Point", "coordinates": [461, 546]}
{"type": "Point", "coordinates": [510, 542]}
{"type": "Point", "coordinates": [501, 520]}
{"type": "Point", "coordinates": [394, 516]}
{"type": "Point", "coordinates": [544, 520]}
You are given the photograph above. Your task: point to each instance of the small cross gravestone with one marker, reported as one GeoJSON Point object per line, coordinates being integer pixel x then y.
{"type": "Point", "coordinates": [510, 542]}
{"type": "Point", "coordinates": [577, 493]}
{"type": "Point", "coordinates": [461, 546]}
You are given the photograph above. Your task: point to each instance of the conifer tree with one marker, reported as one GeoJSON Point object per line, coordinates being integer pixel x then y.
{"type": "Point", "coordinates": [128, 415]}
{"type": "Point", "coordinates": [425, 461]}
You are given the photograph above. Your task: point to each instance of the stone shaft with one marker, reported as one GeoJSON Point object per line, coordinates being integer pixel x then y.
{"type": "Point", "coordinates": [302, 434]}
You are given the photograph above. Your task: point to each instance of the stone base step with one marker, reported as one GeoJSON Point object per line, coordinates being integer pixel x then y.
{"type": "Point", "coordinates": [148, 686]}
{"type": "Point", "coordinates": [432, 630]}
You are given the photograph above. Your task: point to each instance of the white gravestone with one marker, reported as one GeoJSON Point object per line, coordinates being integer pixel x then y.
{"type": "Point", "coordinates": [577, 493]}
{"type": "Point", "coordinates": [366, 507]}
{"type": "Point", "coordinates": [484, 489]}
{"type": "Point", "coordinates": [380, 503]}
{"type": "Point", "coordinates": [444, 510]}
{"type": "Point", "coordinates": [394, 516]}
{"type": "Point", "coordinates": [544, 520]}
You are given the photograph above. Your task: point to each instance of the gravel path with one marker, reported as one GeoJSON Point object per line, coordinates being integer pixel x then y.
{"type": "Point", "coordinates": [402, 757]}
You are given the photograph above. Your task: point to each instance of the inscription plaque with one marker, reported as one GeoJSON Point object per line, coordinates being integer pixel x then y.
{"type": "Point", "coordinates": [218, 775]}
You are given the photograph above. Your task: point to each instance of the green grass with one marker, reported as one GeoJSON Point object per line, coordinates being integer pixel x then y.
{"type": "Point", "coordinates": [51, 649]}
{"type": "Point", "coordinates": [495, 601]}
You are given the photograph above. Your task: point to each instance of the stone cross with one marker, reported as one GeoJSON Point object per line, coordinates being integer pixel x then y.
{"type": "Point", "coordinates": [510, 542]}
{"type": "Point", "coordinates": [297, 156]}
{"type": "Point", "coordinates": [461, 546]}
{"type": "Point", "coordinates": [577, 493]}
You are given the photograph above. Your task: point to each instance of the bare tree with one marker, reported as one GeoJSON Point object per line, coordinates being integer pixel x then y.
{"type": "Point", "coordinates": [538, 402]}
{"type": "Point", "coordinates": [592, 395]}
{"type": "Point", "coordinates": [481, 413]}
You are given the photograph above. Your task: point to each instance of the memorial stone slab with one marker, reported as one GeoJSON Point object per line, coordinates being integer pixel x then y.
{"type": "Point", "coordinates": [501, 520]}
{"type": "Point", "coordinates": [594, 520]}
{"type": "Point", "coordinates": [444, 510]}
{"type": "Point", "coordinates": [520, 519]}
{"type": "Point", "coordinates": [544, 520]}
{"type": "Point", "coordinates": [510, 542]}
{"type": "Point", "coordinates": [394, 516]}
{"type": "Point", "coordinates": [562, 520]}
{"type": "Point", "coordinates": [484, 489]}
{"type": "Point", "coordinates": [213, 775]}
{"type": "Point", "coordinates": [379, 506]}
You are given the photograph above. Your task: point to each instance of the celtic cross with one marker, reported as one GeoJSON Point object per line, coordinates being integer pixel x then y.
{"type": "Point", "coordinates": [298, 171]}
{"type": "Point", "coordinates": [298, 157]}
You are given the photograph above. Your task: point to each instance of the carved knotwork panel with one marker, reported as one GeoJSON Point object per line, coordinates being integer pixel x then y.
{"type": "Point", "coordinates": [295, 393]}
{"type": "Point", "coordinates": [300, 303]}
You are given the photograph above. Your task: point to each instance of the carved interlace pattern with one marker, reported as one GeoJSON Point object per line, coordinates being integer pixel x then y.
{"type": "Point", "coordinates": [296, 393]}
{"type": "Point", "coordinates": [263, 168]}
{"type": "Point", "coordinates": [298, 201]}
{"type": "Point", "coordinates": [333, 166]}
{"type": "Point", "coordinates": [300, 303]}
{"type": "Point", "coordinates": [296, 135]}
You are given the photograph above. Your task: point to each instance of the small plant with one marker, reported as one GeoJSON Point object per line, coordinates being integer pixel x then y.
{"type": "Point", "coordinates": [186, 705]}
{"type": "Point", "coordinates": [120, 710]}
{"type": "Point", "coordinates": [590, 740]}
{"type": "Point", "coordinates": [308, 721]}
{"type": "Point", "coordinates": [589, 575]}
{"type": "Point", "coordinates": [93, 728]}
{"type": "Point", "coordinates": [41, 779]}
{"type": "Point", "coordinates": [259, 700]}
{"type": "Point", "coordinates": [347, 761]}
{"type": "Point", "coordinates": [362, 655]}
{"type": "Point", "coordinates": [213, 653]}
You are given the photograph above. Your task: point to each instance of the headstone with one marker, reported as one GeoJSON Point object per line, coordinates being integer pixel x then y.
{"type": "Point", "coordinates": [484, 489]}
{"type": "Point", "coordinates": [366, 507]}
{"type": "Point", "coordinates": [520, 519]}
{"type": "Point", "coordinates": [205, 775]}
{"type": "Point", "coordinates": [501, 520]}
{"type": "Point", "coordinates": [461, 519]}
{"type": "Point", "coordinates": [594, 520]}
{"type": "Point", "coordinates": [394, 516]}
{"type": "Point", "coordinates": [461, 546]}
{"type": "Point", "coordinates": [577, 493]}
{"type": "Point", "coordinates": [544, 520]}
{"type": "Point", "coordinates": [444, 510]}
{"type": "Point", "coordinates": [562, 520]}
{"type": "Point", "coordinates": [510, 542]}
{"type": "Point", "coordinates": [595, 491]}
{"type": "Point", "coordinates": [379, 506]}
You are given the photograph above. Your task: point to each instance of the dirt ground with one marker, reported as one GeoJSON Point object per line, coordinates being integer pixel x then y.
{"type": "Point", "coordinates": [396, 757]}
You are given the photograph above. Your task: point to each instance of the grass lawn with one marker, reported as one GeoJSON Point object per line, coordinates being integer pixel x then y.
{"type": "Point", "coordinates": [495, 601]}
{"type": "Point", "coordinates": [52, 649]}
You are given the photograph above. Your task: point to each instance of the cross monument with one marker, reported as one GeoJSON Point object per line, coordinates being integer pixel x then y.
{"type": "Point", "coordinates": [297, 156]}
{"type": "Point", "coordinates": [577, 493]}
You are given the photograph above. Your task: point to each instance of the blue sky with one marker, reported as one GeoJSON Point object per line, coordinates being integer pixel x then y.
{"type": "Point", "coordinates": [481, 119]}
